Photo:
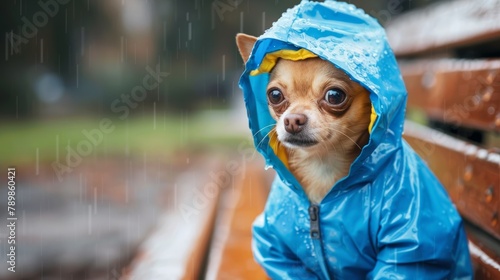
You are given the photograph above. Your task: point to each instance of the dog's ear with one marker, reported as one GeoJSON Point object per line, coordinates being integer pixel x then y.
{"type": "Point", "coordinates": [245, 44]}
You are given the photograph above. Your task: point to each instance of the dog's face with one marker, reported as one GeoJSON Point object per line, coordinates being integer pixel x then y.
{"type": "Point", "coordinates": [317, 107]}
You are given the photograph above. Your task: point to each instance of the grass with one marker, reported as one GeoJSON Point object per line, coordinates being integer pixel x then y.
{"type": "Point", "coordinates": [162, 136]}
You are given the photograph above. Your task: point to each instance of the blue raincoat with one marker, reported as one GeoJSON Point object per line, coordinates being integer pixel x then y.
{"type": "Point", "coordinates": [389, 218]}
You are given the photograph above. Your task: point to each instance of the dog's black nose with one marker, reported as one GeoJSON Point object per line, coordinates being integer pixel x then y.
{"type": "Point", "coordinates": [294, 123]}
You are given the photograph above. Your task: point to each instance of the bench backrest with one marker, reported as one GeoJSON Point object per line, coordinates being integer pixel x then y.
{"type": "Point", "coordinates": [449, 55]}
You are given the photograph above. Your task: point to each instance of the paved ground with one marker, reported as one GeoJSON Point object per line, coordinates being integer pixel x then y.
{"type": "Point", "coordinates": [89, 225]}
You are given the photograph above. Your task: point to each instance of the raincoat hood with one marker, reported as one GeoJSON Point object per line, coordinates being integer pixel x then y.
{"type": "Point", "coordinates": [352, 41]}
{"type": "Point", "coordinates": [380, 220]}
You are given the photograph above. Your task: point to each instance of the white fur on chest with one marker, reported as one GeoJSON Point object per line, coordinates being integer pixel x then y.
{"type": "Point", "coordinates": [318, 174]}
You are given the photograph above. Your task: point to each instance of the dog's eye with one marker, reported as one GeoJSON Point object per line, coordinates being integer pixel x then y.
{"type": "Point", "coordinates": [335, 96]}
{"type": "Point", "coordinates": [275, 96]}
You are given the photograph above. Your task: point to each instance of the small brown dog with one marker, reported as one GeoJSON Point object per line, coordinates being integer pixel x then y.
{"type": "Point", "coordinates": [322, 118]}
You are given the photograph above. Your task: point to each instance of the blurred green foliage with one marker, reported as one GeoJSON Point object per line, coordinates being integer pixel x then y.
{"type": "Point", "coordinates": [161, 136]}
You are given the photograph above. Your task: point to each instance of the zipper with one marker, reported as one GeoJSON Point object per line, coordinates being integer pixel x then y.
{"type": "Point", "coordinates": [315, 233]}
{"type": "Point", "coordinates": [314, 219]}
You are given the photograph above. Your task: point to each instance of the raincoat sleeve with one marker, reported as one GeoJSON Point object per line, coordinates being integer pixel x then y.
{"type": "Point", "coordinates": [443, 267]}
{"type": "Point", "coordinates": [413, 240]}
{"type": "Point", "coordinates": [274, 256]}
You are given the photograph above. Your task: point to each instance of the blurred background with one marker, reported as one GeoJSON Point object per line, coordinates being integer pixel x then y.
{"type": "Point", "coordinates": [105, 106]}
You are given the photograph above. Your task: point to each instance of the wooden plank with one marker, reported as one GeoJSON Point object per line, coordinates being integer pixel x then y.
{"type": "Point", "coordinates": [458, 92]}
{"type": "Point", "coordinates": [244, 202]}
{"type": "Point", "coordinates": [449, 24]}
{"type": "Point", "coordinates": [485, 266]}
{"type": "Point", "coordinates": [178, 247]}
{"type": "Point", "coordinates": [470, 174]}
{"type": "Point", "coordinates": [484, 252]}
{"type": "Point", "coordinates": [196, 261]}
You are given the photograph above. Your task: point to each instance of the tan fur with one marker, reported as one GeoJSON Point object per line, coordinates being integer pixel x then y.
{"type": "Point", "coordinates": [340, 136]}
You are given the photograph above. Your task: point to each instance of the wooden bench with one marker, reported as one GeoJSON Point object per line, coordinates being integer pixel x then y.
{"type": "Point", "coordinates": [449, 56]}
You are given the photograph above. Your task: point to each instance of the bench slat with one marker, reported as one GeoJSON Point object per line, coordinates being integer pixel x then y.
{"type": "Point", "coordinates": [177, 248]}
{"type": "Point", "coordinates": [487, 267]}
{"type": "Point", "coordinates": [445, 25]}
{"type": "Point", "coordinates": [470, 174]}
{"type": "Point", "coordinates": [483, 254]}
{"type": "Point", "coordinates": [458, 92]}
{"type": "Point", "coordinates": [231, 252]}
{"type": "Point", "coordinates": [249, 197]}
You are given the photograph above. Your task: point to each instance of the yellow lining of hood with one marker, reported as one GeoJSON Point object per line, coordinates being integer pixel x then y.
{"type": "Point", "coordinates": [270, 59]}
{"type": "Point", "coordinates": [278, 149]}
{"type": "Point", "coordinates": [373, 118]}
